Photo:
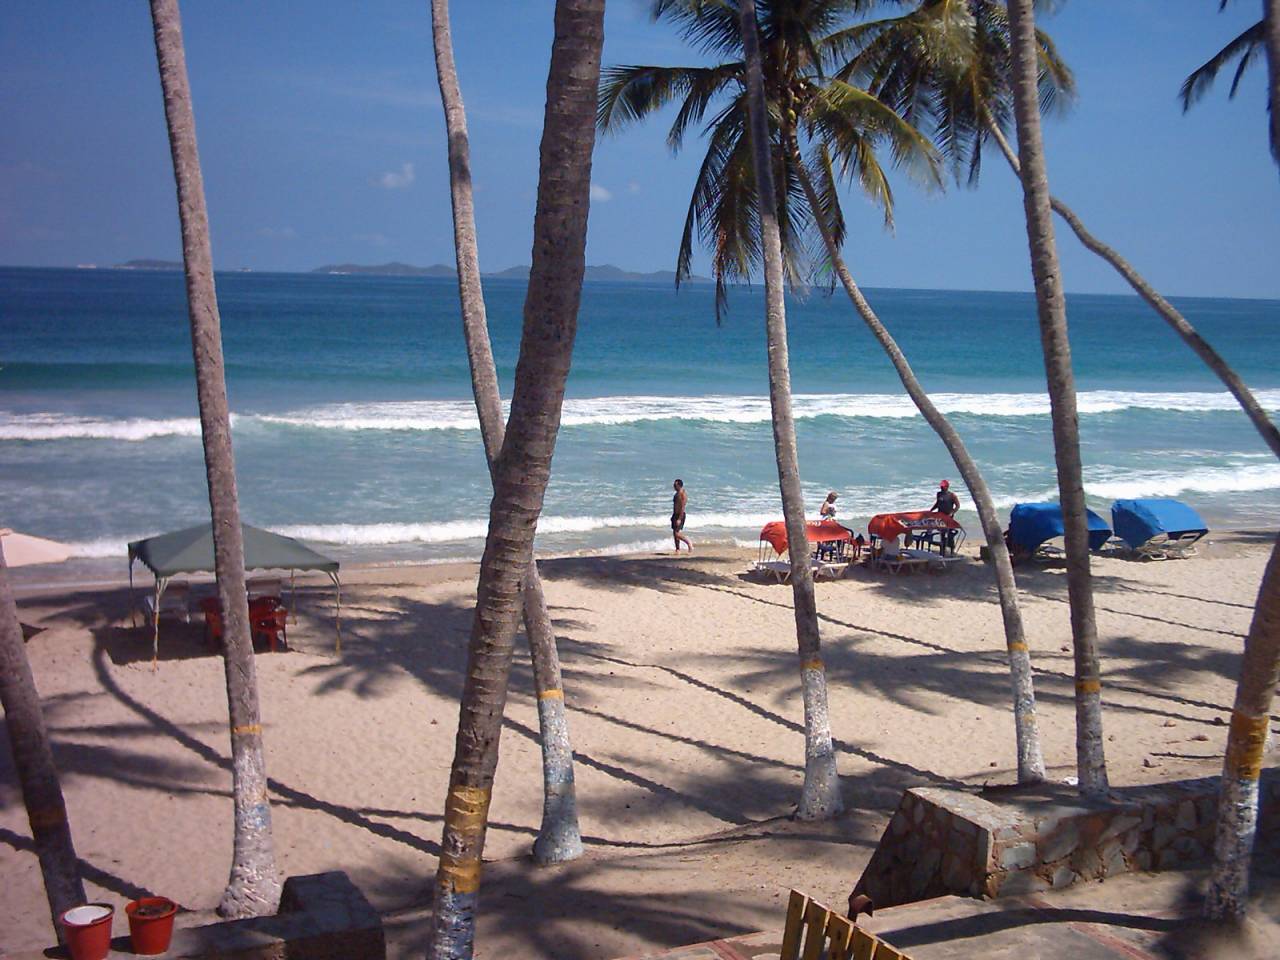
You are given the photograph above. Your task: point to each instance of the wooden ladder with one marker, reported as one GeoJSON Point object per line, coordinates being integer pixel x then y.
{"type": "Point", "coordinates": [816, 932]}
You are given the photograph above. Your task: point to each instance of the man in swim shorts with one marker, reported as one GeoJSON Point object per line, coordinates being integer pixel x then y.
{"type": "Point", "coordinates": [678, 503]}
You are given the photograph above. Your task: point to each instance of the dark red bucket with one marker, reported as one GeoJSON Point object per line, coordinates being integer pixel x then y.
{"type": "Point", "coordinates": [151, 924]}
{"type": "Point", "coordinates": [88, 930]}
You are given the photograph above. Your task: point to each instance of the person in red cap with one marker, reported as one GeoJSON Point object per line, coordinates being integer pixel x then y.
{"type": "Point", "coordinates": [947, 503]}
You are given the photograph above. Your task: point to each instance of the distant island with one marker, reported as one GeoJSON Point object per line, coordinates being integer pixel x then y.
{"type": "Point", "coordinates": [149, 265]}
{"type": "Point", "coordinates": [395, 269]}
{"type": "Point", "coordinates": [606, 272]}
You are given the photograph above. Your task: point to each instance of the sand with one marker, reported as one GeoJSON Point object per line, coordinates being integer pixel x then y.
{"type": "Point", "coordinates": [682, 685]}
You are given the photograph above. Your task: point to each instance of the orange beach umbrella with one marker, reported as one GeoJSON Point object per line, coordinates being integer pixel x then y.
{"type": "Point", "coordinates": [815, 531]}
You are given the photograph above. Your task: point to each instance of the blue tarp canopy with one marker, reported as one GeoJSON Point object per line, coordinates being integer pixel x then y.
{"type": "Point", "coordinates": [1137, 521]}
{"type": "Point", "coordinates": [1031, 524]}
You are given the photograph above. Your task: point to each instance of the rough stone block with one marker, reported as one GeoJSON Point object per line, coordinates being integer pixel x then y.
{"type": "Point", "coordinates": [1186, 817]}
{"type": "Point", "coordinates": [1019, 856]}
{"type": "Point", "coordinates": [1064, 839]}
{"type": "Point", "coordinates": [1064, 876]}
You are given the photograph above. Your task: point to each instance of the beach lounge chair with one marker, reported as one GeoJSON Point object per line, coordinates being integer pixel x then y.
{"type": "Point", "coordinates": [1158, 529]}
{"type": "Point", "coordinates": [816, 932]}
{"type": "Point", "coordinates": [1033, 525]}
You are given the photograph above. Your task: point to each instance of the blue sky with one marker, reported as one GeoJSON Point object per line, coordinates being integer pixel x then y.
{"type": "Point", "coordinates": [322, 140]}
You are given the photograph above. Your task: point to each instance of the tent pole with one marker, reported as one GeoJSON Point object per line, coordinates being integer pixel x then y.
{"type": "Point", "coordinates": [293, 602]}
{"type": "Point", "coordinates": [161, 583]}
{"type": "Point", "coordinates": [133, 600]}
{"type": "Point", "coordinates": [337, 613]}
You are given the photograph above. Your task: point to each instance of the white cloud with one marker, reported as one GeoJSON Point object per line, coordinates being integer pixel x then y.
{"type": "Point", "coordinates": [397, 179]}
{"type": "Point", "coordinates": [600, 194]}
{"type": "Point", "coordinates": [278, 233]}
{"type": "Point", "coordinates": [633, 186]}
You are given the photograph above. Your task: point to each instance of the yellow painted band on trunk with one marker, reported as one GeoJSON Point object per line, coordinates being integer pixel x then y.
{"type": "Point", "coordinates": [43, 819]}
{"type": "Point", "coordinates": [466, 809]}
{"type": "Point", "coordinates": [814, 664]}
{"type": "Point", "coordinates": [461, 876]}
{"type": "Point", "coordinates": [551, 695]}
{"type": "Point", "coordinates": [1017, 647]}
{"type": "Point", "coordinates": [248, 728]}
{"type": "Point", "coordinates": [1245, 743]}
{"type": "Point", "coordinates": [1089, 685]}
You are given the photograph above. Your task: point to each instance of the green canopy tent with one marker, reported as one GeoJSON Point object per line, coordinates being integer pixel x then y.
{"type": "Point", "coordinates": [191, 551]}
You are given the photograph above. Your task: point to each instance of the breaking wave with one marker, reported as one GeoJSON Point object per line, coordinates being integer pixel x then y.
{"type": "Point", "coordinates": [459, 415]}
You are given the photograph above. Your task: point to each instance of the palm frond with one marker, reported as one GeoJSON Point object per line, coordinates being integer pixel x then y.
{"type": "Point", "coordinates": [1201, 79]}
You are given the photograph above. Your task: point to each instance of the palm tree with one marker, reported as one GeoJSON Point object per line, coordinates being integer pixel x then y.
{"type": "Point", "coordinates": [1263, 36]}
{"type": "Point", "coordinates": [844, 122]}
{"type": "Point", "coordinates": [820, 796]}
{"type": "Point", "coordinates": [1246, 741]}
{"type": "Point", "coordinates": [33, 759]}
{"type": "Point", "coordinates": [947, 64]}
{"type": "Point", "coordinates": [559, 838]}
{"type": "Point", "coordinates": [254, 885]}
{"type": "Point", "coordinates": [524, 465]}
{"type": "Point", "coordinates": [1052, 310]}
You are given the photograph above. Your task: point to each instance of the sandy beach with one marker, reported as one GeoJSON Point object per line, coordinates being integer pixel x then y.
{"type": "Point", "coordinates": [682, 685]}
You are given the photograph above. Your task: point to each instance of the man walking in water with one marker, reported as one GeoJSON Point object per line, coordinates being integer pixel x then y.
{"type": "Point", "coordinates": [678, 503]}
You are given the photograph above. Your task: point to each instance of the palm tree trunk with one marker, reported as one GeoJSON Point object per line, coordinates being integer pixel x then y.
{"type": "Point", "coordinates": [524, 465]}
{"type": "Point", "coordinates": [820, 797]}
{"type": "Point", "coordinates": [1052, 311]}
{"type": "Point", "coordinates": [254, 885]}
{"type": "Point", "coordinates": [1027, 734]}
{"type": "Point", "coordinates": [1271, 37]}
{"type": "Point", "coordinates": [1171, 315]}
{"type": "Point", "coordinates": [1246, 741]}
{"type": "Point", "coordinates": [559, 838]}
{"type": "Point", "coordinates": [33, 759]}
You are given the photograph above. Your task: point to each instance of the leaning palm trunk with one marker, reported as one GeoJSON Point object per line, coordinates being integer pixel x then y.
{"type": "Point", "coordinates": [1168, 311]}
{"type": "Point", "coordinates": [1238, 800]}
{"type": "Point", "coordinates": [1271, 38]}
{"type": "Point", "coordinates": [559, 838]}
{"type": "Point", "coordinates": [33, 760]}
{"type": "Point", "coordinates": [820, 797]}
{"type": "Point", "coordinates": [1052, 311]}
{"type": "Point", "coordinates": [254, 886]}
{"type": "Point", "coordinates": [524, 465]}
{"type": "Point", "coordinates": [1027, 734]}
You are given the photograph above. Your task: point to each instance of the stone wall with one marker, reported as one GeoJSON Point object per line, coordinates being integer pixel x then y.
{"type": "Point", "coordinates": [1010, 841]}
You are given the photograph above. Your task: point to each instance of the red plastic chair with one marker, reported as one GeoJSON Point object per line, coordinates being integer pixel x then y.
{"type": "Point", "coordinates": [212, 611]}
{"type": "Point", "coordinates": [268, 619]}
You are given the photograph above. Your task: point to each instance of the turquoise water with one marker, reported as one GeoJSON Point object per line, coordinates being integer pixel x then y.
{"type": "Point", "coordinates": [354, 426]}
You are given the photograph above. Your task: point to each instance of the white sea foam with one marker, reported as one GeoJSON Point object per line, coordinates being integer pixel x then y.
{"type": "Point", "coordinates": [104, 547]}
{"type": "Point", "coordinates": [1171, 483]}
{"type": "Point", "coordinates": [459, 415]}
{"type": "Point", "coordinates": [370, 534]}
{"type": "Point", "coordinates": [53, 426]}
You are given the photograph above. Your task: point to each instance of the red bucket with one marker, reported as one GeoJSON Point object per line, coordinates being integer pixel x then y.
{"type": "Point", "coordinates": [88, 930]}
{"type": "Point", "coordinates": [151, 924]}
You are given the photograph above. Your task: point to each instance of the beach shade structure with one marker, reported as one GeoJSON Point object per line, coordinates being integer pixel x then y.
{"type": "Point", "coordinates": [21, 550]}
{"type": "Point", "coordinates": [1158, 528]}
{"type": "Point", "coordinates": [829, 538]}
{"type": "Point", "coordinates": [1031, 525]}
{"type": "Point", "coordinates": [886, 526]}
{"type": "Point", "coordinates": [815, 531]}
{"type": "Point", "coordinates": [191, 551]}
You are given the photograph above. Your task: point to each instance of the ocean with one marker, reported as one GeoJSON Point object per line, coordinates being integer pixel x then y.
{"type": "Point", "coordinates": [354, 427]}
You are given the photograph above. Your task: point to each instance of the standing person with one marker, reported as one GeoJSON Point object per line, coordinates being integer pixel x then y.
{"type": "Point", "coordinates": [946, 503]}
{"type": "Point", "coordinates": [678, 503]}
{"type": "Point", "coordinates": [828, 509]}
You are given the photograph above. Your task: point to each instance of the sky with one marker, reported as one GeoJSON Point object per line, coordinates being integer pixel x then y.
{"type": "Point", "coordinates": [322, 141]}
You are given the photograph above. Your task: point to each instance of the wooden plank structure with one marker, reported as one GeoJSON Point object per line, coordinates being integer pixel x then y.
{"type": "Point", "coordinates": [816, 932]}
